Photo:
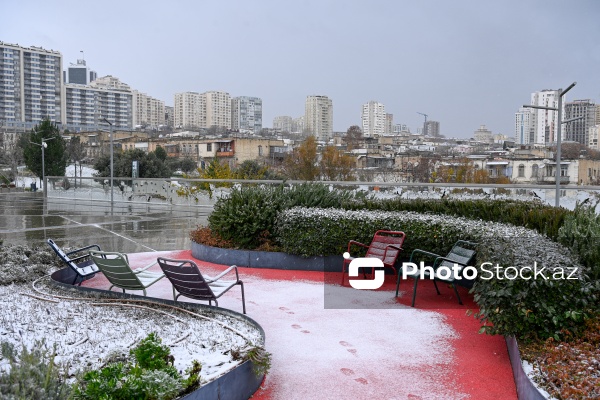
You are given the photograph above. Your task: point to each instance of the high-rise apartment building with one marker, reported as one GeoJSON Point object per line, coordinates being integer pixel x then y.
{"type": "Point", "coordinates": [282, 123]}
{"type": "Point", "coordinates": [318, 116]}
{"type": "Point", "coordinates": [218, 109]}
{"type": "Point", "coordinates": [31, 83]}
{"type": "Point", "coordinates": [524, 126]}
{"type": "Point", "coordinates": [148, 111]}
{"type": "Point", "coordinates": [593, 136]}
{"type": "Point", "coordinates": [578, 130]}
{"type": "Point", "coordinates": [431, 128]}
{"type": "Point", "coordinates": [195, 110]}
{"type": "Point", "coordinates": [189, 110]}
{"type": "Point", "coordinates": [373, 119]}
{"type": "Point", "coordinates": [246, 114]}
{"type": "Point", "coordinates": [545, 122]}
{"type": "Point", "coordinates": [298, 125]}
{"type": "Point", "coordinates": [88, 106]}
{"type": "Point", "coordinates": [114, 101]}
{"type": "Point", "coordinates": [389, 124]}
{"type": "Point", "coordinates": [170, 116]}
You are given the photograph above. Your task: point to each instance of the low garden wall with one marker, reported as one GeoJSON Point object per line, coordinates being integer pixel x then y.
{"type": "Point", "coordinates": [266, 259]}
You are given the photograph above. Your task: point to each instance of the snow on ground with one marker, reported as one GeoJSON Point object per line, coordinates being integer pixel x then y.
{"type": "Point", "coordinates": [336, 350]}
{"type": "Point", "coordinates": [85, 333]}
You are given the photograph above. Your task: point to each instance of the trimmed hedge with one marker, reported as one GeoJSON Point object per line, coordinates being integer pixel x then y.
{"type": "Point", "coordinates": [533, 215]}
{"type": "Point", "coordinates": [524, 308]}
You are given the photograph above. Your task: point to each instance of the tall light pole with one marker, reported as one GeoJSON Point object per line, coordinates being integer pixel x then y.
{"type": "Point", "coordinates": [111, 160]}
{"type": "Point", "coordinates": [561, 93]}
{"type": "Point", "coordinates": [43, 145]}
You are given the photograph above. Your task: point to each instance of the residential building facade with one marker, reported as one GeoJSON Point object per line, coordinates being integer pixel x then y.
{"type": "Point", "coordinates": [373, 119]}
{"type": "Point", "coordinates": [431, 128]}
{"type": "Point", "coordinates": [578, 129]}
{"type": "Point", "coordinates": [147, 111]}
{"type": "Point", "coordinates": [189, 110]}
{"type": "Point", "coordinates": [218, 109]}
{"type": "Point", "coordinates": [545, 122]}
{"type": "Point", "coordinates": [524, 126]}
{"type": "Point", "coordinates": [282, 123]}
{"type": "Point", "coordinates": [31, 81]}
{"type": "Point", "coordinates": [246, 114]}
{"type": "Point", "coordinates": [318, 116]}
{"type": "Point", "coordinates": [298, 125]}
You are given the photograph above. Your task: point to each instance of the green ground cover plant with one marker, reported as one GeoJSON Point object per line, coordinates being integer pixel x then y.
{"type": "Point", "coordinates": [147, 374]}
{"type": "Point", "coordinates": [33, 374]}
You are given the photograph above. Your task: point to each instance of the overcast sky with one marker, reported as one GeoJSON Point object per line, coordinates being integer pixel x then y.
{"type": "Point", "coordinates": [464, 63]}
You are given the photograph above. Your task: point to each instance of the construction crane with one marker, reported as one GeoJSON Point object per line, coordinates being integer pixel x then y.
{"type": "Point", "coordinates": [424, 123]}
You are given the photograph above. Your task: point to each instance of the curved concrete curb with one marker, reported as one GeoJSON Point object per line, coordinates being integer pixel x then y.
{"type": "Point", "coordinates": [526, 389]}
{"type": "Point", "coordinates": [266, 259]}
{"type": "Point", "coordinates": [240, 383]}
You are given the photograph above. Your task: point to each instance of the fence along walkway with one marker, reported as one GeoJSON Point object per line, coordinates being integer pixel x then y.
{"type": "Point", "coordinates": [166, 191]}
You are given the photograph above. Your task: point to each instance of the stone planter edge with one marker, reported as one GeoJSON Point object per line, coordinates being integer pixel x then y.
{"type": "Point", "coordinates": [266, 259]}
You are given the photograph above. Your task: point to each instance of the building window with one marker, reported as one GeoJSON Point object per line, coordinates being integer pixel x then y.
{"type": "Point", "coordinates": [521, 171]}
{"type": "Point", "coordinates": [260, 151]}
{"type": "Point", "coordinates": [534, 171]}
{"type": "Point", "coordinates": [208, 146]}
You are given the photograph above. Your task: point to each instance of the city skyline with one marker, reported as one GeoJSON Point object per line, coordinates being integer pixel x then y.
{"type": "Point", "coordinates": [463, 63]}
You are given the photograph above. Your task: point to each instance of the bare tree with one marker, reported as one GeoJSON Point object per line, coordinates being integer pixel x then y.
{"type": "Point", "coordinates": [354, 137]}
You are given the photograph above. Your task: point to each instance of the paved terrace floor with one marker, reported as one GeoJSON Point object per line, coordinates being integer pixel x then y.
{"type": "Point", "coordinates": [327, 341]}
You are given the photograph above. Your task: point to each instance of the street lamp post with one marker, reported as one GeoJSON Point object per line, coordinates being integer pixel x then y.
{"type": "Point", "coordinates": [561, 93]}
{"type": "Point", "coordinates": [43, 145]}
{"type": "Point", "coordinates": [111, 160]}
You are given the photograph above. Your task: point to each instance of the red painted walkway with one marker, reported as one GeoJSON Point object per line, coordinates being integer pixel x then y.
{"type": "Point", "coordinates": [386, 351]}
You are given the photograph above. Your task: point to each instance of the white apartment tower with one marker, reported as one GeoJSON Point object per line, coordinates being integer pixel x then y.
{"type": "Point", "coordinates": [31, 80]}
{"type": "Point", "coordinates": [318, 116]}
{"type": "Point", "coordinates": [147, 111]}
{"type": "Point", "coordinates": [298, 125]}
{"type": "Point", "coordinates": [374, 120]}
{"type": "Point", "coordinates": [524, 127]}
{"type": "Point", "coordinates": [545, 122]}
{"type": "Point", "coordinates": [246, 114]}
{"type": "Point", "coordinates": [113, 101]}
{"type": "Point", "coordinates": [218, 109]}
{"type": "Point", "coordinates": [189, 110]}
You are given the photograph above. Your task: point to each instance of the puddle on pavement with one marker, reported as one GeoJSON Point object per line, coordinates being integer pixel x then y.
{"type": "Point", "coordinates": [25, 219]}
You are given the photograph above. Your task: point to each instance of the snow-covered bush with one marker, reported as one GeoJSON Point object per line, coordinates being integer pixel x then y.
{"type": "Point", "coordinates": [541, 307]}
{"type": "Point", "coordinates": [26, 264]}
{"type": "Point", "coordinates": [534, 215]}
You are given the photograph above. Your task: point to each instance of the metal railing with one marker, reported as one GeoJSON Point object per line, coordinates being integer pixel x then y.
{"type": "Point", "coordinates": [168, 192]}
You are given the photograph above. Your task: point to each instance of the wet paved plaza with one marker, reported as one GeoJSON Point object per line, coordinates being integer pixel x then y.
{"type": "Point", "coordinates": [127, 226]}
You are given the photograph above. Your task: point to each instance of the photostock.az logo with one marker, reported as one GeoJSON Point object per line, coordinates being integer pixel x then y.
{"type": "Point", "coordinates": [361, 262]}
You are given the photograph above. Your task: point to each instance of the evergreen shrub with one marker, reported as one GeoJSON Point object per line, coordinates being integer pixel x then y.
{"type": "Point", "coordinates": [542, 218]}
{"type": "Point", "coordinates": [246, 217]}
{"type": "Point", "coordinates": [581, 233]}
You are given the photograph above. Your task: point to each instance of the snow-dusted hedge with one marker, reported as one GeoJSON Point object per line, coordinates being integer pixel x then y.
{"type": "Point", "coordinates": [537, 307]}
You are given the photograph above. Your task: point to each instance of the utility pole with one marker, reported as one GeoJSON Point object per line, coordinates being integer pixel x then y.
{"type": "Point", "coordinates": [558, 109]}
